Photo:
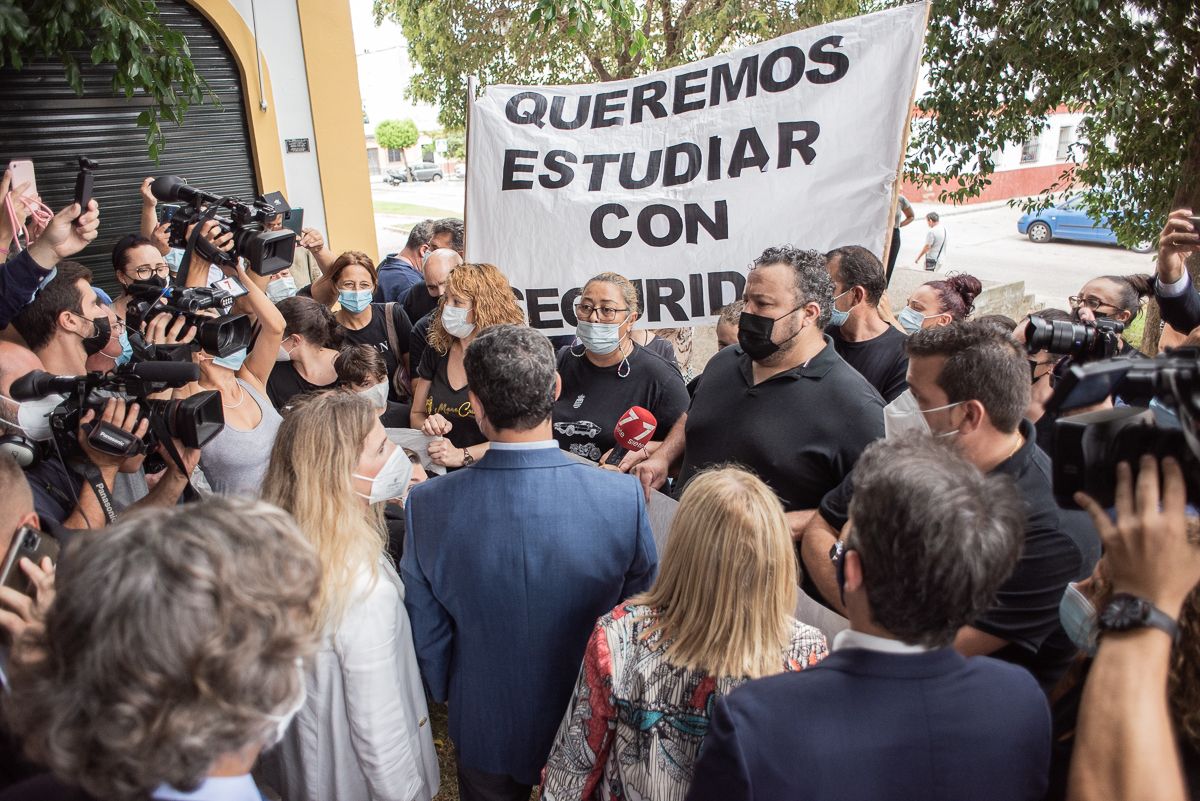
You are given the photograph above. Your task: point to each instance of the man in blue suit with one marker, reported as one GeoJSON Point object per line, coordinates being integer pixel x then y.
{"type": "Point", "coordinates": [507, 565]}
{"type": "Point", "coordinates": [895, 712]}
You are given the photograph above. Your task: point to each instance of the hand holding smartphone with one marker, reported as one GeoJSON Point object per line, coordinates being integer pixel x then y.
{"type": "Point", "coordinates": [27, 543]}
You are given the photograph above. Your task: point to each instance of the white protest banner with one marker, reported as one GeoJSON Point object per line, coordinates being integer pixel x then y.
{"type": "Point", "coordinates": [678, 179]}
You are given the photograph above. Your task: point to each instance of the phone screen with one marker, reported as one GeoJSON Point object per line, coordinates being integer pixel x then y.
{"type": "Point", "coordinates": [231, 285]}
{"type": "Point", "coordinates": [166, 211]}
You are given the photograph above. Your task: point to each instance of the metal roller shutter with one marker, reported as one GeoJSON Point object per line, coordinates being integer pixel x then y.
{"type": "Point", "coordinates": [43, 119]}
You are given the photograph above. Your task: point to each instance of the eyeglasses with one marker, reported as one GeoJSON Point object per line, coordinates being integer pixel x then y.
{"type": "Point", "coordinates": [1092, 303]}
{"type": "Point", "coordinates": [607, 314]}
{"type": "Point", "coordinates": [144, 272]}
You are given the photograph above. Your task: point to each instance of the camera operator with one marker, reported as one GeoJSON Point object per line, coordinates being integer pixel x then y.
{"type": "Point", "coordinates": [136, 258]}
{"type": "Point", "coordinates": [1177, 298]}
{"type": "Point", "coordinates": [1112, 297]}
{"type": "Point", "coordinates": [23, 273]}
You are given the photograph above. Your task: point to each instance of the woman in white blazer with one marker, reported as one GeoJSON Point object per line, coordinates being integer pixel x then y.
{"type": "Point", "coordinates": [364, 731]}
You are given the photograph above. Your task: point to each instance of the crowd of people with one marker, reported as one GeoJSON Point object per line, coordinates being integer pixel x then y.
{"type": "Point", "coordinates": [837, 570]}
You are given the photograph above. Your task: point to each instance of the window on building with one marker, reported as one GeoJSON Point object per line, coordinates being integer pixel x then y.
{"type": "Point", "coordinates": [1066, 138]}
{"type": "Point", "coordinates": [1029, 152]}
{"type": "Point", "coordinates": [395, 154]}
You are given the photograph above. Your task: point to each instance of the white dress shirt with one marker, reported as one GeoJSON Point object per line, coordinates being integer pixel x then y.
{"type": "Point", "coordinates": [525, 446]}
{"type": "Point", "coordinates": [849, 638]}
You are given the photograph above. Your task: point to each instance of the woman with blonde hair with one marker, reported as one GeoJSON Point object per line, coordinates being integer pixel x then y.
{"type": "Point", "coordinates": [477, 296]}
{"type": "Point", "coordinates": [719, 614]}
{"type": "Point", "coordinates": [364, 731]}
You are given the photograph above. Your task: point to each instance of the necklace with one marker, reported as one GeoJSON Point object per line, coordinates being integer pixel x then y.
{"type": "Point", "coordinates": [241, 400]}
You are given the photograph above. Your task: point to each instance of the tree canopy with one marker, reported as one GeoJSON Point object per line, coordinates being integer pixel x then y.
{"type": "Point", "coordinates": [397, 134]}
{"type": "Point", "coordinates": [148, 56]}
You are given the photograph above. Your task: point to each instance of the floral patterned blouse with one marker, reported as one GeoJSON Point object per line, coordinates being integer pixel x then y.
{"type": "Point", "coordinates": [636, 722]}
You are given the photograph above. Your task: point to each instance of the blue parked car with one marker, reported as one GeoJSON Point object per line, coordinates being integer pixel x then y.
{"type": "Point", "coordinates": [1070, 221]}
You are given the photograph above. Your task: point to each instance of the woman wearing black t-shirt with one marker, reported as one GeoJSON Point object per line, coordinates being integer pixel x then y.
{"type": "Point", "coordinates": [609, 372]}
{"type": "Point", "coordinates": [311, 338]}
{"type": "Point", "coordinates": [365, 323]}
{"type": "Point", "coordinates": [477, 296]}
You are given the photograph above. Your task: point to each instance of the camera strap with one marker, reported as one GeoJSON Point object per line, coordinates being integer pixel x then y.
{"type": "Point", "coordinates": [195, 240]}
{"type": "Point", "coordinates": [159, 424]}
{"type": "Point", "coordinates": [91, 474]}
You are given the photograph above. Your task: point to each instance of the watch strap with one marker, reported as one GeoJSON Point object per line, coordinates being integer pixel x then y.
{"type": "Point", "coordinates": [1116, 616]}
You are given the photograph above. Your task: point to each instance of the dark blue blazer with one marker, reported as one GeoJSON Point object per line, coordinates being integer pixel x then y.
{"type": "Point", "coordinates": [865, 726]}
{"type": "Point", "coordinates": [507, 565]}
{"type": "Point", "coordinates": [1181, 313]}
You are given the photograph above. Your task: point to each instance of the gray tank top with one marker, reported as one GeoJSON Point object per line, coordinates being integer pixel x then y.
{"type": "Point", "coordinates": [234, 462]}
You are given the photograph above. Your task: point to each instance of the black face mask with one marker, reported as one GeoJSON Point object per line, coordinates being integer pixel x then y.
{"type": "Point", "coordinates": [754, 334]}
{"type": "Point", "coordinates": [100, 336]}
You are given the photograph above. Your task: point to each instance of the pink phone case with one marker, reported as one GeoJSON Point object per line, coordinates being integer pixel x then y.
{"type": "Point", "coordinates": [21, 172]}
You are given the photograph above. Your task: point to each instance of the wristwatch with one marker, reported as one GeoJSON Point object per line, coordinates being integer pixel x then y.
{"type": "Point", "coordinates": [1126, 612]}
{"type": "Point", "coordinates": [468, 459]}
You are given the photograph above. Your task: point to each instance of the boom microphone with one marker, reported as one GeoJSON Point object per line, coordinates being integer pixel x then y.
{"type": "Point", "coordinates": [38, 384]}
{"type": "Point", "coordinates": [633, 432]}
{"type": "Point", "coordinates": [173, 189]}
{"type": "Point", "coordinates": [174, 373]}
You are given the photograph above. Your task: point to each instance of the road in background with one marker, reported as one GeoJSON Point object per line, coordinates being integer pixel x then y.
{"type": "Point", "coordinates": [981, 240]}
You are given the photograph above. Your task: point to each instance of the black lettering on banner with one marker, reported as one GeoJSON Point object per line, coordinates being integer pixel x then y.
{"type": "Point", "coordinates": [716, 284]}
{"type": "Point", "coordinates": [535, 116]}
{"type": "Point", "coordinates": [787, 141]}
{"type": "Point", "coordinates": [653, 165]}
{"type": "Point", "coordinates": [518, 293]}
{"type": "Point", "coordinates": [511, 168]}
{"type": "Point", "coordinates": [597, 226]}
{"type": "Point", "coordinates": [556, 162]}
{"type": "Point", "coordinates": [656, 90]}
{"type": "Point", "coordinates": [537, 308]}
{"type": "Point", "coordinates": [714, 158]}
{"type": "Point", "coordinates": [605, 106]}
{"type": "Point", "coordinates": [567, 305]}
{"type": "Point", "coordinates": [766, 75]}
{"type": "Point", "coordinates": [657, 300]}
{"type": "Point", "coordinates": [732, 85]}
{"type": "Point", "coordinates": [748, 140]}
{"type": "Point", "coordinates": [645, 225]}
{"type": "Point", "coordinates": [684, 86]}
{"type": "Point", "coordinates": [672, 176]}
{"type": "Point", "coordinates": [818, 54]}
{"type": "Point", "coordinates": [581, 112]}
{"type": "Point", "coordinates": [695, 219]}
{"type": "Point", "coordinates": [696, 293]}
{"type": "Point", "coordinates": [599, 161]}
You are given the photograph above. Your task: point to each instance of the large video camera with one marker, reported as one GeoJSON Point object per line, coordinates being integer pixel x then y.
{"type": "Point", "coordinates": [193, 421]}
{"type": "Point", "coordinates": [219, 336]}
{"type": "Point", "coordinates": [266, 251]}
{"type": "Point", "coordinates": [1083, 342]}
{"type": "Point", "coordinates": [1163, 421]}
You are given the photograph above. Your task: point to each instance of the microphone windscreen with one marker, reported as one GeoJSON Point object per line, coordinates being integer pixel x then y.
{"type": "Point", "coordinates": [635, 428]}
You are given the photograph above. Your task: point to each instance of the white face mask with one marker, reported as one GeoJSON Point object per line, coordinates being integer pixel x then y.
{"type": "Point", "coordinates": [284, 354]}
{"type": "Point", "coordinates": [392, 479]}
{"type": "Point", "coordinates": [33, 416]}
{"type": "Point", "coordinates": [377, 395]}
{"type": "Point", "coordinates": [454, 320]}
{"type": "Point", "coordinates": [283, 721]}
{"type": "Point", "coordinates": [905, 414]}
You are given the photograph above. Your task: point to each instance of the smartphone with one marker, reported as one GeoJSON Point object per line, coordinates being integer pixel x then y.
{"type": "Point", "coordinates": [231, 285]}
{"type": "Point", "coordinates": [20, 171]}
{"type": "Point", "coordinates": [27, 543]}
{"type": "Point", "coordinates": [1195, 220]}
{"type": "Point", "coordinates": [166, 211]}
{"type": "Point", "coordinates": [293, 220]}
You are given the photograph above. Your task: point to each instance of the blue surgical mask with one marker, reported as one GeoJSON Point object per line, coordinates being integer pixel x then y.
{"type": "Point", "coordinates": [126, 349]}
{"type": "Point", "coordinates": [233, 361]}
{"type": "Point", "coordinates": [282, 288]}
{"type": "Point", "coordinates": [1078, 618]}
{"type": "Point", "coordinates": [355, 301]}
{"type": "Point", "coordinates": [911, 320]}
{"type": "Point", "coordinates": [599, 338]}
{"type": "Point", "coordinates": [836, 315]}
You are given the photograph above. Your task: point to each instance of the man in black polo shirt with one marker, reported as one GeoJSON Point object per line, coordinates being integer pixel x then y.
{"type": "Point", "coordinates": [972, 383]}
{"type": "Point", "coordinates": [865, 340]}
{"type": "Point", "coordinates": [782, 403]}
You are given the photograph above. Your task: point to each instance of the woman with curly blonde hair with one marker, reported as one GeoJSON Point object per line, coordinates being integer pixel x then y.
{"type": "Point", "coordinates": [364, 732]}
{"type": "Point", "coordinates": [171, 656]}
{"type": "Point", "coordinates": [477, 296]}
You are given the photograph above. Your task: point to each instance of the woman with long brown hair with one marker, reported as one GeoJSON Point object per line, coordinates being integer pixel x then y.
{"type": "Point", "coordinates": [718, 615]}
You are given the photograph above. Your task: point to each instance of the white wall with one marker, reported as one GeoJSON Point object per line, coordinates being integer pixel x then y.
{"type": "Point", "coordinates": [282, 51]}
{"type": "Point", "coordinates": [1010, 159]}
{"type": "Point", "coordinates": [384, 71]}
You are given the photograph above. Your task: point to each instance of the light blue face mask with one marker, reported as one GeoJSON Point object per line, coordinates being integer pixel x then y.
{"type": "Point", "coordinates": [599, 338]}
{"type": "Point", "coordinates": [912, 320]}
{"type": "Point", "coordinates": [836, 316]}
{"type": "Point", "coordinates": [282, 288]}
{"type": "Point", "coordinates": [126, 349]}
{"type": "Point", "coordinates": [233, 361]}
{"type": "Point", "coordinates": [355, 301]}
{"type": "Point", "coordinates": [1078, 618]}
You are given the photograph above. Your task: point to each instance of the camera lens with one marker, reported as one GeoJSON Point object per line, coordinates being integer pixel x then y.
{"type": "Point", "coordinates": [31, 541]}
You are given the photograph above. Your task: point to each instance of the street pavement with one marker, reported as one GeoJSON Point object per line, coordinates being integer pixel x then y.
{"type": "Point", "coordinates": [982, 240]}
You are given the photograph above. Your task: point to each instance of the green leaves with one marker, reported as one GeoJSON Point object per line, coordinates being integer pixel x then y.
{"type": "Point", "coordinates": [398, 134]}
{"type": "Point", "coordinates": [149, 58]}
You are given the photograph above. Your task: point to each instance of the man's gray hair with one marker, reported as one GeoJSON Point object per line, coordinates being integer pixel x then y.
{"type": "Point", "coordinates": [813, 284]}
{"type": "Point", "coordinates": [511, 369]}
{"type": "Point", "coordinates": [936, 537]}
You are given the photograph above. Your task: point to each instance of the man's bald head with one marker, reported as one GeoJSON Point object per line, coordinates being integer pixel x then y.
{"type": "Point", "coordinates": [438, 265]}
{"type": "Point", "coordinates": [15, 361]}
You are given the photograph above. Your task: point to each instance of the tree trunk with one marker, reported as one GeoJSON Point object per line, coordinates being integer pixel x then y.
{"type": "Point", "coordinates": [408, 173]}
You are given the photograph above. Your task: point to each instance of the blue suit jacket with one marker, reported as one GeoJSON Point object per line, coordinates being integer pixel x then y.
{"type": "Point", "coordinates": [863, 726]}
{"type": "Point", "coordinates": [507, 565]}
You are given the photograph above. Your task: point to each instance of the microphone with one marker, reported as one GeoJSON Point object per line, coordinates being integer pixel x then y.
{"type": "Point", "coordinates": [173, 189]}
{"type": "Point", "coordinates": [38, 384]}
{"type": "Point", "coordinates": [177, 373]}
{"type": "Point", "coordinates": [633, 432]}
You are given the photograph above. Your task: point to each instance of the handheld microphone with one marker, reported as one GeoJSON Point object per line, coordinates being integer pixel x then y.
{"type": "Point", "coordinates": [633, 432]}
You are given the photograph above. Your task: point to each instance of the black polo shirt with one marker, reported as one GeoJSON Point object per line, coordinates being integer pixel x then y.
{"type": "Point", "coordinates": [1025, 612]}
{"type": "Point", "coordinates": [881, 360]}
{"type": "Point", "coordinates": [801, 431]}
